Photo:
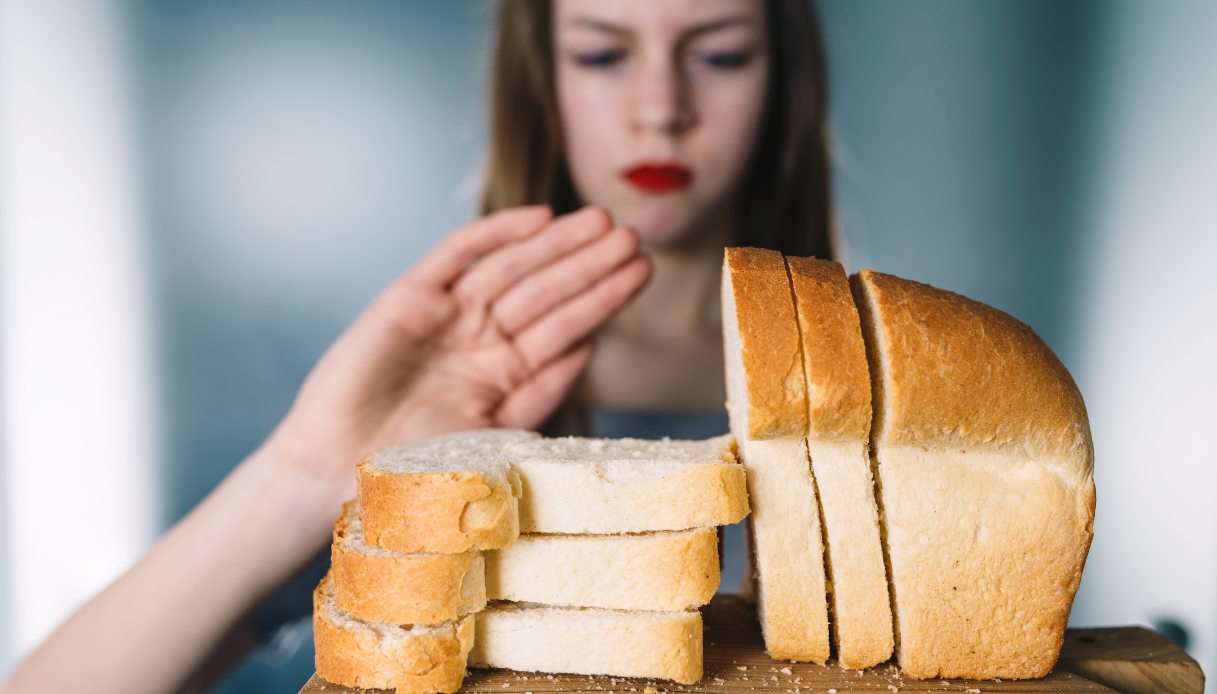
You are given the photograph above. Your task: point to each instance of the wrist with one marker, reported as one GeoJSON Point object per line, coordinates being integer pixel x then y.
{"type": "Point", "coordinates": [308, 494]}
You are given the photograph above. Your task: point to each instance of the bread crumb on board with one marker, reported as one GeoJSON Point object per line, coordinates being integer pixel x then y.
{"type": "Point", "coordinates": [786, 671]}
{"type": "Point", "coordinates": [650, 690]}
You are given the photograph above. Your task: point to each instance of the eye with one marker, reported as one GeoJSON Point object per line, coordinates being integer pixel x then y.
{"type": "Point", "coordinates": [602, 58]}
{"type": "Point", "coordinates": [724, 60]}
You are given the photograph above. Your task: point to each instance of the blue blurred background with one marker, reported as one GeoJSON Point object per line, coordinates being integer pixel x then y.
{"type": "Point", "coordinates": [196, 197]}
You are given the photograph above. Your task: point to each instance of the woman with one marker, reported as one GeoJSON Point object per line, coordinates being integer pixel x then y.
{"type": "Point", "coordinates": [695, 123]}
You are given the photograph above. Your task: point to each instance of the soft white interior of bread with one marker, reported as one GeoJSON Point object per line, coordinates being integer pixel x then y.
{"type": "Point", "coordinates": [792, 598]}
{"type": "Point", "coordinates": [658, 452]}
{"type": "Point", "coordinates": [620, 643]}
{"type": "Point", "coordinates": [482, 450]}
{"type": "Point", "coordinates": [597, 486]}
{"type": "Point", "coordinates": [733, 360]}
{"type": "Point", "coordinates": [862, 622]}
{"type": "Point", "coordinates": [974, 538]}
{"type": "Point", "coordinates": [649, 571]}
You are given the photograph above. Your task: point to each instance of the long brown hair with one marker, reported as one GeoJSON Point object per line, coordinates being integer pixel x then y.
{"type": "Point", "coordinates": [786, 196]}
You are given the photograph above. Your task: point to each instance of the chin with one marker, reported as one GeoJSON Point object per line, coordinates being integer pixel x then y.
{"type": "Point", "coordinates": [659, 226]}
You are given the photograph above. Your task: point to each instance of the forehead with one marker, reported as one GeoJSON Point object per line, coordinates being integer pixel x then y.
{"type": "Point", "coordinates": [660, 16]}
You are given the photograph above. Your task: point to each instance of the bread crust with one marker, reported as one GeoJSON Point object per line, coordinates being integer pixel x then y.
{"type": "Point", "coordinates": [398, 588]}
{"type": "Point", "coordinates": [380, 656]}
{"type": "Point", "coordinates": [444, 512]}
{"type": "Point", "coordinates": [759, 288]}
{"type": "Point", "coordinates": [960, 373]}
{"type": "Point", "coordinates": [986, 479]}
{"type": "Point", "coordinates": [834, 358]}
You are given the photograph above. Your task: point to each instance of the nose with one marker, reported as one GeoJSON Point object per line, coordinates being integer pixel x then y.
{"type": "Point", "coordinates": [661, 100]}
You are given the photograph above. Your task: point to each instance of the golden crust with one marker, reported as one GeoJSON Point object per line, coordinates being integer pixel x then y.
{"type": "Point", "coordinates": [769, 341]}
{"type": "Point", "coordinates": [445, 512]}
{"type": "Point", "coordinates": [397, 588]}
{"type": "Point", "coordinates": [960, 373]}
{"type": "Point", "coordinates": [433, 660]}
{"type": "Point", "coordinates": [834, 358]}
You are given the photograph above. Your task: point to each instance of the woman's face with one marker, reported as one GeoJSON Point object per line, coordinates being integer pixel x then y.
{"type": "Point", "coordinates": [660, 104]}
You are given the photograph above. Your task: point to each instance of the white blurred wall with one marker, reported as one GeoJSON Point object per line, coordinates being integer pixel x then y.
{"type": "Point", "coordinates": [1147, 316]}
{"type": "Point", "coordinates": [79, 429]}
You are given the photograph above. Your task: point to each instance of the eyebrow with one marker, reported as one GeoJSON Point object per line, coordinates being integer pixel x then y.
{"type": "Point", "coordinates": [695, 30]}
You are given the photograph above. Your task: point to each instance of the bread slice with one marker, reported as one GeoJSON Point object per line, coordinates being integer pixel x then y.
{"type": "Point", "coordinates": [585, 641]}
{"type": "Point", "coordinates": [380, 585]}
{"type": "Point", "coordinates": [448, 494]}
{"type": "Point", "coordinates": [767, 406]}
{"type": "Point", "coordinates": [606, 486]}
{"type": "Point", "coordinates": [985, 468]}
{"type": "Point", "coordinates": [665, 571]}
{"type": "Point", "coordinates": [839, 419]}
{"type": "Point", "coordinates": [371, 655]}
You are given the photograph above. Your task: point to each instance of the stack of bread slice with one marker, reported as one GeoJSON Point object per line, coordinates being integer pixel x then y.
{"type": "Point", "coordinates": [920, 474]}
{"type": "Point", "coordinates": [504, 549]}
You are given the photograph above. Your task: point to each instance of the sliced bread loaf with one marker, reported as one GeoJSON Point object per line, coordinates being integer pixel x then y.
{"type": "Point", "coordinates": [448, 494]}
{"type": "Point", "coordinates": [371, 655]}
{"type": "Point", "coordinates": [839, 420]}
{"type": "Point", "coordinates": [586, 641]}
{"type": "Point", "coordinates": [674, 570]}
{"type": "Point", "coordinates": [767, 406]}
{"type": "Point", "coordinates": [985, 468]}
{"type": "Point", "coordinates": [380, 585]}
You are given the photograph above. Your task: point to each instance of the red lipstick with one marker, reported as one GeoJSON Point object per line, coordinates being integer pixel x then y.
{"type": "Point", "coordinates": [659, 177]}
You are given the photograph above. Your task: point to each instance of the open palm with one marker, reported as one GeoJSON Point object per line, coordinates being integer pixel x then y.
{"type": "Point", "coordinates": [489, 329]}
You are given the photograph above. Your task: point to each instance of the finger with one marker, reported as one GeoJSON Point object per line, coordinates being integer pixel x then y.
{"type": "Point", "coordinates": [573, 320]}
{"type": "Point", "coordinates": [536, 294]}
{"type": "Point", "coordinates": [537, 398]}
{"type": "Point", "coordinates": [500, 270]}
{"type": "Point", "coordinates": [444, 263]}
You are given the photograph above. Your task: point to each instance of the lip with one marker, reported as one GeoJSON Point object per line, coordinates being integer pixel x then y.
{"type": "Point", "coordinates": [659, 176]}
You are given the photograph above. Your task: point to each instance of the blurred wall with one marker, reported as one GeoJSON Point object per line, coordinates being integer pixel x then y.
{"type": "Point", "coordinates": [1147, 326]}
{"type": "Point", "coordinates": [297, 157]}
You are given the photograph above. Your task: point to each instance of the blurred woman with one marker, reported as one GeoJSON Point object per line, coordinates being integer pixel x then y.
{"type": "Point", "coordinates": [698, 124]}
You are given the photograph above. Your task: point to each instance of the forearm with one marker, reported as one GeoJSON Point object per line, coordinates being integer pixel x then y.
{"type": "Point", "coordinates": [153, 626]}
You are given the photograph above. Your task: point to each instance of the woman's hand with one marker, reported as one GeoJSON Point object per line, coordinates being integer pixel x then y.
{"type": "Point", "coordinates": [491, 328]}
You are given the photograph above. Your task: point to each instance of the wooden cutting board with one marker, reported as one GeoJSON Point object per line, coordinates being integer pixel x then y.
{"type": "Point", "coordinates": [1125, 659]}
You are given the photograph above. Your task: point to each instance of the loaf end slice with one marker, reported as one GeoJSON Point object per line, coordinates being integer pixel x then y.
{"type": "Point", "coordinates": [985, 479]}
